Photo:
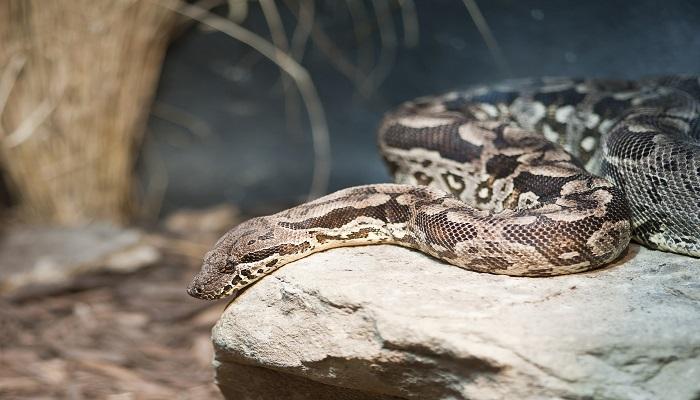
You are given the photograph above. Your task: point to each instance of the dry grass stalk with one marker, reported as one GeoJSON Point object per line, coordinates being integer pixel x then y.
{"type": "Point", "coordinates": [409, 18]}
{"type": "Point", "coordinates": [305, 20]}
{"type": "Point", "coordinates": [486, 33]}
{"type": "Point", "coordinates": [333, 53]}
{"type": "Point", "coordinates": [387, 51]}
{"type": "Point", "coordinates": [279, 40]}
{"type": "Point", "coordinates": [79, 77]}
{"type": "Point", "coordinates": [307, 89]}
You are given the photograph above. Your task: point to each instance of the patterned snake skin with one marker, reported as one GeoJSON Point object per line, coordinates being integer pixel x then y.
{"type": "Point", "coordinates": [527, 178]}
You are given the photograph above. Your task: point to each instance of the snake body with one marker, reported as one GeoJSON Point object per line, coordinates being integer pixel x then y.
{"type": "Point", "coordinates": [526, 178]}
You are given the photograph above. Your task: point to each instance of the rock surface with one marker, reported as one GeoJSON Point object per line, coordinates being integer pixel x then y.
{"type": "Point", "coordinates": [53, 256]}
{"type": "Point", "coordinates": [383, 322]}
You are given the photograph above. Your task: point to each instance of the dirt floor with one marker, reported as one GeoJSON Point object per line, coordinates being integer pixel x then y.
{"type": "Point", "coordinates": [135, 336]}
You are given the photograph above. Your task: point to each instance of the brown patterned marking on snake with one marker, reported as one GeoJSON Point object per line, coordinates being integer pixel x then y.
{"type": "Point", "coordinates": [455, 183]}
{"type": "Point", "coordinates": [282, 249]}
{"type": "Point", "coordinates": [335, 218]}
{"type": "Point", "coordinates": [322, 238]}
{"type": "Point", "coordinates": [290, 248]}
{"type": "Point", "coordinates": [501, 166]}
{"type": "Point", "coordinates": [485, 262]}
{"type": "Point", "coordinates": [440, 230]}
{"type": "Point", "coordinates": [484, 193]}
{"type": "Point", "coordinates": [266, 236]}
{"type": "Point", "coordinates": [422, 178]}
{"type": "Point", "coordinates": [442, 139]}
{"type": "Point", "coordinates": [515, 201]}
{"type": "Point", "coordinates": [541, 185]}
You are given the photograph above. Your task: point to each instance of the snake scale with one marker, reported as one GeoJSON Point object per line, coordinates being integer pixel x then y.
{"type": "Point", "coordinates": [535, 177]}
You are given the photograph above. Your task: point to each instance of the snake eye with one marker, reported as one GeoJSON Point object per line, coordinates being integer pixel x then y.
{"type": "Point", "coordinates": [231, 263]}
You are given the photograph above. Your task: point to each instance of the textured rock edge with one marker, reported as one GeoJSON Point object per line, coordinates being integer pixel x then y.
{"type": "Point", "coordinates": [350, 347]}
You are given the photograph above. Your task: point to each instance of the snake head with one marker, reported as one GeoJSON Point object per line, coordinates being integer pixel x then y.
{"type": "Point", "coordinates": [239, 258]}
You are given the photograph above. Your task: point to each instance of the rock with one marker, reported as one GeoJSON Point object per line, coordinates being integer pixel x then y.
{"type": "Point", "coordinates": [53, 256]}
{"type": "Point", "coordinates": [383, 322]}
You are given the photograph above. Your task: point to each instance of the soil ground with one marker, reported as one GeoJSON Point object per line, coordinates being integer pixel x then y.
{"type": "Point", "coordinates": [135, 336]}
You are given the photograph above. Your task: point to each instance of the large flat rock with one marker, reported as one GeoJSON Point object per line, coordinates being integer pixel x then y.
{"type": "Point", "coordinates": [383, 322]}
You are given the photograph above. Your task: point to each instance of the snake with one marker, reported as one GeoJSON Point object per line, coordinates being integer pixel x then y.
{"type": "Point", "coordinates": [529, 178]}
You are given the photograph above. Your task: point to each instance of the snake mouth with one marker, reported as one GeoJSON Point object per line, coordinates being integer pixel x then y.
{"type": "Point", "coordinates": [195, 289]}
{"type": "Point", "coordinates": [196, 293]}
{"type": "Point", "coordinates": [205, 284]}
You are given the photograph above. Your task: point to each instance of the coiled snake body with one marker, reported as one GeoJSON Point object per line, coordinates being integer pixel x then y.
{"type": "Point", "coordinates": [528, 178]}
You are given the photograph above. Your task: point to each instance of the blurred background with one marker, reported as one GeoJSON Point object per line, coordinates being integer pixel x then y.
{"type": "Point", "coordinates": [134, 132]}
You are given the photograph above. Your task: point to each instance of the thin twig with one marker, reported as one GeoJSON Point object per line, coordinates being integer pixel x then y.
{"type": "Point", "coordinates": [181, 26]}
{"type": "Point", "coordinates": [300, 38]}
{"type": "Point", "coordinates": [176, 115]}
{"type": "Point", "coordinates": [30, 124]}
{"type": "Point", "coordinates": [279, 39]}
{"type": "Point", "coordinates": [7, 81]}
{"type": "Point", "coordinates": [387, 55]}
{"type": "Point", "coordinates": [237, 10]}
{"type": "Point", "coordinates": [274, 23]}
{"type": "Point", "coordinates": [339, 61]}
{"type": "Point", "coordinates": [319, 127]}
{"type": "Point", "coordinates": [363, 40]}
{"type": "Point", "coordinates": [305, 22]}
{"type": "Point", "coordinates": [409, 18]}
{"type": "Point", "coordinates": [487, 35]}
{"type": "Point", "coordinates": [335, 56]}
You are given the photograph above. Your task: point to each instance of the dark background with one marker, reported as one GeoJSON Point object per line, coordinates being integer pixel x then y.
{"type": "Point", "coordinates": [245, 154]}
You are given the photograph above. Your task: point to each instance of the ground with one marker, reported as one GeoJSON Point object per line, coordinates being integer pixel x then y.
{"type": "Point", "coordinates": [135, 336]}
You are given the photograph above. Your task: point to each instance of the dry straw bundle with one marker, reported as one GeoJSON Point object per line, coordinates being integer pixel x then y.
{"type": "Point", "coordinates": [76, 85]}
